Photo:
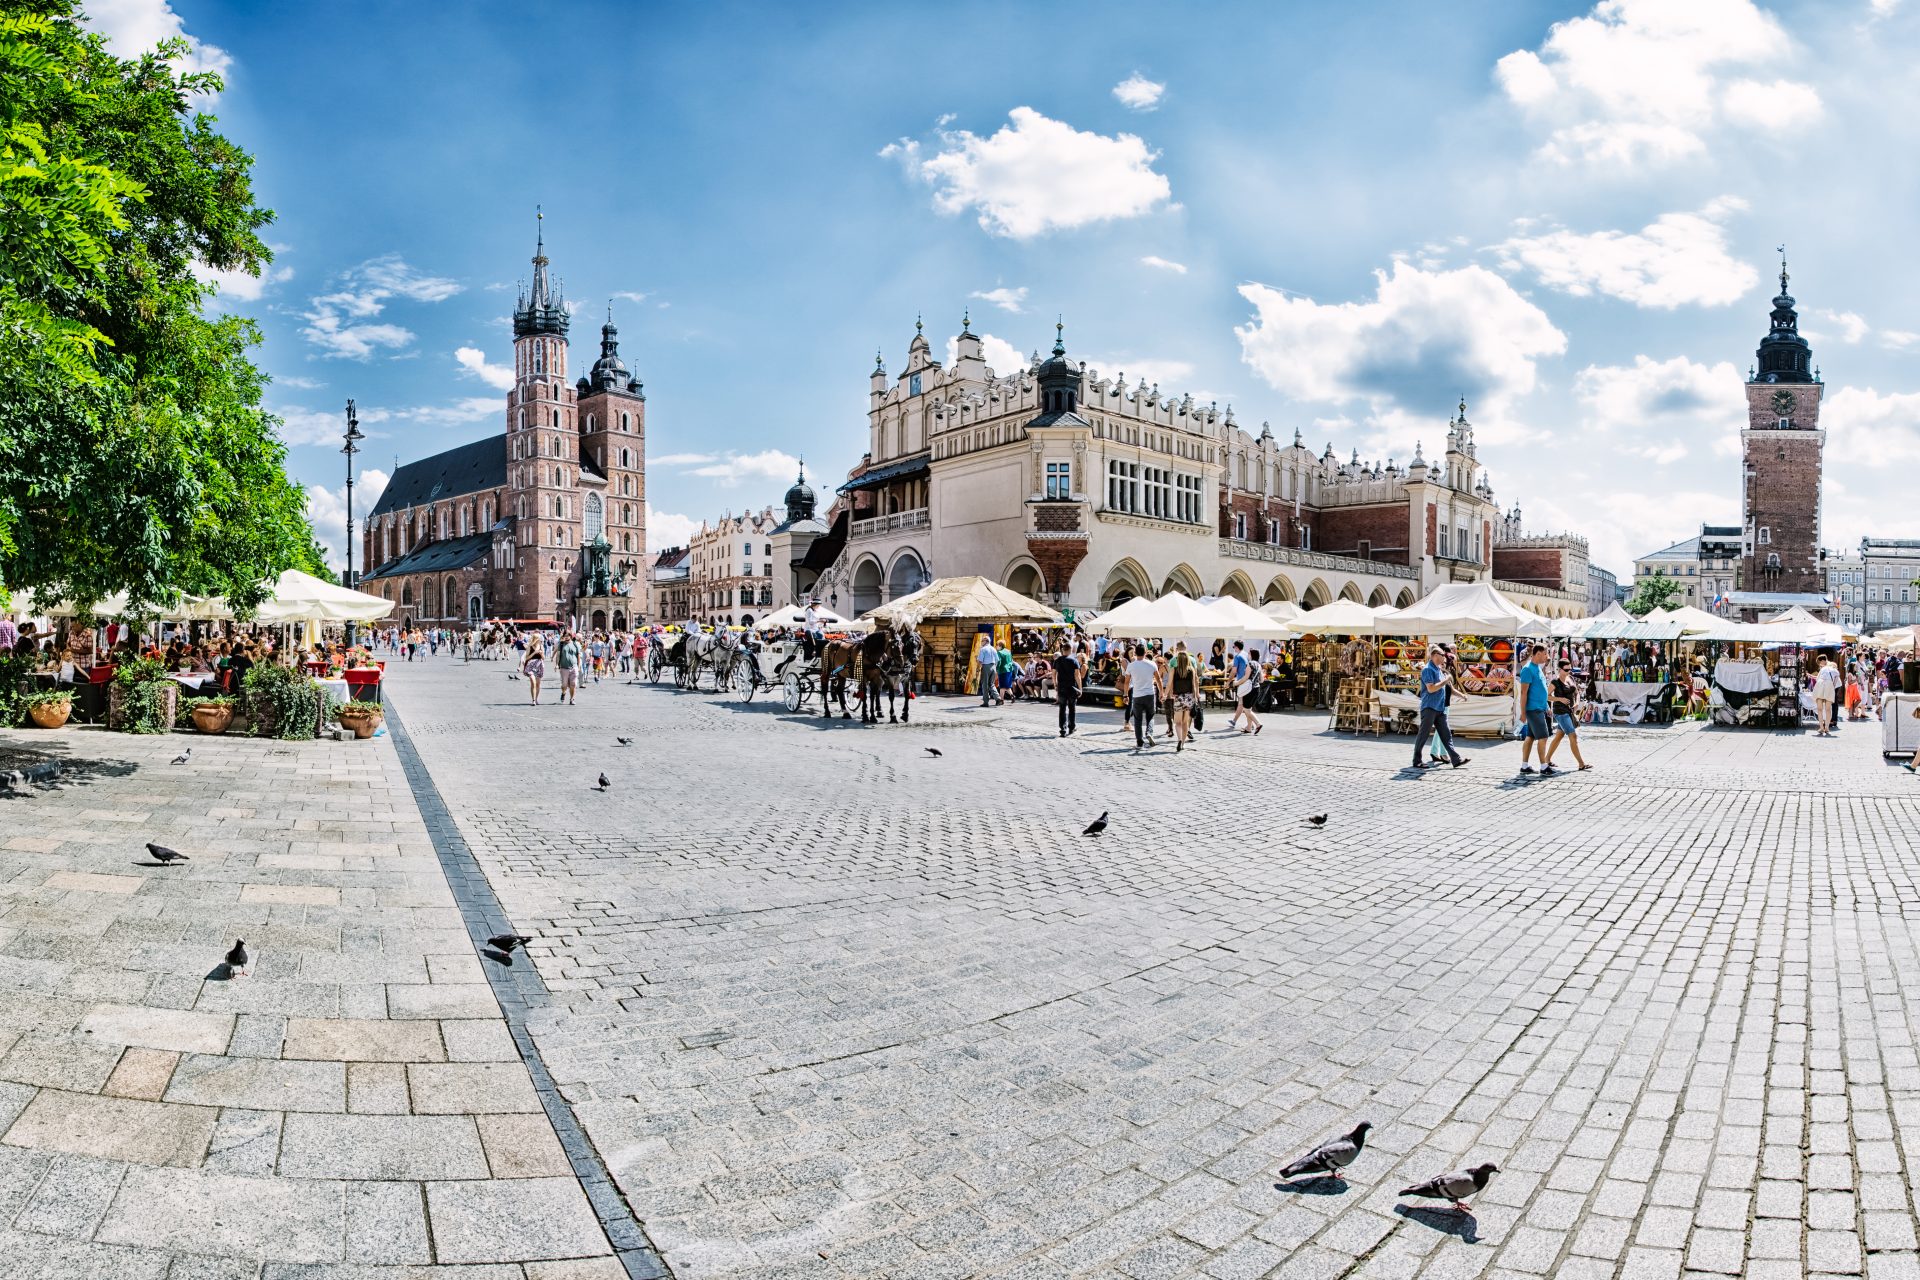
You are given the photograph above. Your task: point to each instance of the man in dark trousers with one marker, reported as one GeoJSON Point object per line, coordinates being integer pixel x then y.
{"type": "Point", "coordinates": [1066, 686]}
{"type": "Point", "coordinates": [1433, 711]}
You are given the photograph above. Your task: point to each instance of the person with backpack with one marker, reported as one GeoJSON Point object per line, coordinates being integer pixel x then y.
{"type": "Point", "coordinates": [1183, 686]}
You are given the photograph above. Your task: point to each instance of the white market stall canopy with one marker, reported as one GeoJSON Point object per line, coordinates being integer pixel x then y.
{"type": "Point", "coordinates": [188, 608]}
{"type": "Point", "coordinates": [1281, 610]}
{"type": "Point", "coordinates": [1341, 618]}
{"type": "Point", "coordinates": [1240, 619]}
{"type": "Point", "coordinates": [793, 616]}
{"type": "Point", "coordinates": [301, 597]}
{"type": "Point", "coordinates": [1171, 617]}
{"type": "Point", "coordinates": [1463, 608]}
{"type": "Point", "coordinates": [1900, 639]}
{"type": "Point", "coordinates": [967, 598]}
{"type": "Point", "coordinates": [1692, 619]}
{"type": "Point", "coordinates": [1614, 612]}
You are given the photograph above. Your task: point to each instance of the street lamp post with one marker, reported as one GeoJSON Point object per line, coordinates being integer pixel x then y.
{"type": "Point", "coordinates": [353, 438]}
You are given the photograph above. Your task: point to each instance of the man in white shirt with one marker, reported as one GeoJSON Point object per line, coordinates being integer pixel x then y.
{"type": "Point", "coordinates": [1143, 683]}
{"type": "Point", "coordinates": [815, 630]}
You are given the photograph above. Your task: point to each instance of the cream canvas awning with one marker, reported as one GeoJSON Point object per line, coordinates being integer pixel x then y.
{"type": "Point", "coordinates": [972, 598]}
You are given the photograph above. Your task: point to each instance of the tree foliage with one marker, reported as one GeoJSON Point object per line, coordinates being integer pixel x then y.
{"type": "Point", "coordinates": [134, 451]}
{"type": "Point", "coordinates": [1650, 593]}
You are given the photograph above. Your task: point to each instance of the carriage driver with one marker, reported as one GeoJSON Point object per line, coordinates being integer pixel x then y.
{"type": "Point", "coordinates": [815, 631]}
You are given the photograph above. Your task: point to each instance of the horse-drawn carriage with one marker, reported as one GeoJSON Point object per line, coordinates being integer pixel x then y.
{"type": "Point", "coordinates": [726, 657]}
{"type": "Point", "coordinates": [882, 661]}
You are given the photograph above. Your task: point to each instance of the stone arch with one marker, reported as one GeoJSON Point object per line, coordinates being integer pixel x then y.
{"type": "Point", "coordinates": [1377, 598]}
{"type": "Point", "coordinates": [907, 575]}
{"type": "Point", "coordinates": [599, 620]}
{"type": "Point", "coordinates": [1350, 590]}
{"type": "Point", "coordinates": [1404, 599]}
{"type": "Point", "coordinates": [1316, 594]}
{"type": "Point", "coordinates": [1184, 580]}
{"type": "Point", "coordinates": [1239, 586]}
{"type": "Point", "coordinates": [1124, 581]}
{"type": "Point", "coordinates": [1281, 588]}
{"type": "Point", "coordinates": [866, 579]}
{"type": "Point", "coordinates": [1024, 576]}
{"type": "Point", "coordinates": [619, 620]}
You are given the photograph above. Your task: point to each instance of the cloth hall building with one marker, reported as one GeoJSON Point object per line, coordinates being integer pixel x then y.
{"type": "Point", "coordinates": [1081, 490]}
{"type": "Point", "coordinates": [545, 521]}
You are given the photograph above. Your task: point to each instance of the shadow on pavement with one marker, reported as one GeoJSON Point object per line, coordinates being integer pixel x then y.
{"type": "Point", "coordinates": [1316, 1186]}
{"type": "Point", "coordinates": [1448, 1222]}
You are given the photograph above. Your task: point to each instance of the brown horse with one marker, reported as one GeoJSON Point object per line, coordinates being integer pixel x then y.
{"type": "Point", "coordinates": [837, 659]}
{"type": "Point", "coordinates": [900, 683]}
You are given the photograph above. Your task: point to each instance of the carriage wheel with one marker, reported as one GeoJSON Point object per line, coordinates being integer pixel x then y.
{"type": "Point", "coordinates": [790, 692]}
{"type": "Point", "coordinates": [654, 662]}
{"type": "Point", "coordinates": [682, 676]}
{"type": "Point", "coordinates": [743, 682]}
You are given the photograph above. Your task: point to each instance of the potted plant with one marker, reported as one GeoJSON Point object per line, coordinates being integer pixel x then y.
{"type": "Point", "coordinates": [143, 699]}
{"type": "Point", "coordinates": [361, 717]}
{"type": "Point", "coordinates": [211, 714]}
{"type": "Point", "coordinates": [49, 708]}
{"type": "Point", "coordinates": [284, 703]}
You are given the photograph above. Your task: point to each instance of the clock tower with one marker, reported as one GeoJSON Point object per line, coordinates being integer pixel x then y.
{"type": "Point", "coordinates": [1781, 458]}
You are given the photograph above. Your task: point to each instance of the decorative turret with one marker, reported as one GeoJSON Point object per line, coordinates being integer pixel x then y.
{"type": "Point", "coordinates": [541, 308]}
{"type": "Point", "coordinates": [1059, 380]}
{"type": "Point", "coordinates": [800, 498]}
{"type": "Point", "coordinates": [1784, 354]}
{"type": "Point", "coordinates": [609, 372]}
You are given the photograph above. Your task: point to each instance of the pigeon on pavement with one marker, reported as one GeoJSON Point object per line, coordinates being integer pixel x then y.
{"type": "Point", "coordinates": [512, 676]}
{"type": "Point", "coordinates": [184, 756]}
{"type": "Point", "coordinates": [237, 958]}
{"type": "Point", "coordinates": [1098, 825]}
{"type": "Point", "coordinates": [504, 943]}
{"type": "Point", "coordinates": [1317, 820]}
{"type": "Point", "coordinates": [1454, 1186]}
{"type": "Point", "coordinates": [605, 782]}
{"type": "Point", "coordinates": [163, 855]}
{"type": "Point", "coordinates": [933, 751]}
{"type": "Point", "coordinates": [625, 742]}
{"type": "Point", "coordinates": [1330, 1157]}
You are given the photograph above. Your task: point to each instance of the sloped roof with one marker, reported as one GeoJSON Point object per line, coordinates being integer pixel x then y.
{"type": "Point", "coordinates": [1685, 549]}
{"type": "Point", "coordinates": [449, 553]}
{"type": "Point", "coordinates": [466, 468]}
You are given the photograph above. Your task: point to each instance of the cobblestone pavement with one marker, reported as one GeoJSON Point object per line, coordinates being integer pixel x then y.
{"type": "Point", "coordinates": [835, 1007]}
{"type": "Point", "coordinates": [352, 1108]}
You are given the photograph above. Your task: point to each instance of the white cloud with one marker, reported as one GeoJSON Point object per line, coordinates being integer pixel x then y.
{"type": "Point", "coordinates": [1662, 411]}
{"type": "Point", "coordinates": [1898, 339]}
{"type": "Point", "coordinates": [1861, 423]}
{"type": "Point", "coordinates": [132, 27]}
{"type": "Point", "coordinates": [1037, 175]}
{"type": "Point", "coordinates": [665, 529]}
{"type": "Point", "coordinates": [1852, 326]}
{"type": "Point", "coordinates": [1169, 375]}
{"type": "Point", "coordinates": [1013, 300]}
{"type": "Point", "coordinates": [327, 512]}
{"type": "Point", "coordinates": [1645, 80]}
{"type": "Point", "coordinates": [301, 426]}
{"type": "Point", "coordinates": [731, 468]}
{"type": "Point", "coordinates": [302, 384]}
{"type": "Point", "coordinates": [474, 361]}
{"type": "Point", "coordinates": [1680, 258]}
{"type": "Point", "coordinates": [629, 295]}
{"type": "Point", "coordinates": [235, 285]}
{"type": "Point", "coordinates": [333, 319]}
{"type": "Point", "coordinates": [1138, 93]}
{"type": "Point", "coordinates": [1883, 8]}
{"type": "Point", "coordinates": [1002, 357]}
{"type": "Point", "coordinates": [1423, 340]}
{"type": "Point", "coordinates": [1163, 264]}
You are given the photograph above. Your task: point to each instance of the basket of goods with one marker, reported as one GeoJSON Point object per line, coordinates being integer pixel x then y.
{"type": "Point", "coordinates": [1473, 679]}
{"type": "Point", "coordinates": [1471, 650]}
{"type": "Point", "coordinates": [1501, 652]}
{"type": "Point", "coordinates": [1499, 680]}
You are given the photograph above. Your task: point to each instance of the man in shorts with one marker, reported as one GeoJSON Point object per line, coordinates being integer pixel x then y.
{"type": "Point", "coordinates": [1534, 701]}
{"type": "Point", "coordinates": [566, 659]}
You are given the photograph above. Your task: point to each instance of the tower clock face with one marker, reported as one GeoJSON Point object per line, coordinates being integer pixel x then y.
{"type": "Point", "coordinates": [1783, 402]}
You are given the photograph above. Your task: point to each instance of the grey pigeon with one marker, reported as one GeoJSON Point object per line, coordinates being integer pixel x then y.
{"type": "Point", "coordinates": [605, 782]}
{"type": "Point", "coordinates": [1317, 820]}
{"type": "Point", "coordinates": [506, 942]}
{"type": "Point", "coordinates": [237, 958]}
{"type": "Point", "coordinates": [1098, 825]}
{"type": "Point", "coordinates": [1330, 1157]}
{"type": "Point", "coordinates": [933, 751]}
{"type": "Point", "coordinates": [625, 742]}
{"type": "Point", "coordinates": [1454, 1186]}
{"type": "Point", "coordinates": [512, 676]}
{"type": "Point", "coordinates": [162, 854]}
{"type": "Point", "coordinates": [184, 756]}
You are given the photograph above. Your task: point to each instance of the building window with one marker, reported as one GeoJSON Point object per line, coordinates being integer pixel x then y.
{"type": "Point", "coordinates": [1306, 537]}
{"type": "Point", "coordinates": [1123, 485]}
{"type": "Point", "coordinates": [1059, 479]}
{"type": "Point", "coordinates": [1766, 535]}
{"type": "Point", "coordinates": [1187, 499]}
{"type": "Point", "coordinates": [1786, 423]}
{"type": "Point", "coordinates": [595, 517]}
{"type": "Point", "coordinates": [1240, 525]}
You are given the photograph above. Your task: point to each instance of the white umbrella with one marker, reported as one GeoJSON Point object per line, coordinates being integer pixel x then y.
{"type": "Point", "coordinates": [970, 597]}
{"type": "Point", "coordinates": [1242, 619]}
{"type": "Point", "coordinates": [1464, 608]}
{"type": "Point", "coordinates": [1341, 618]}
{"type": "Point", "coordinates": [1172, 616]}
{"type": "Point", "coordinates": [794, 616]}
{"type": "Point", "coordinates": [300, 597]}
{"type": "Point", "coordinates": [1281, 610]}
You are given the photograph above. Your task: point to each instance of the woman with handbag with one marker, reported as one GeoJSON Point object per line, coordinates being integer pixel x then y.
{"type": "Point", "coordinates": [1240, 676]}
{"type": "Point", "coordinates": [1183, 684]}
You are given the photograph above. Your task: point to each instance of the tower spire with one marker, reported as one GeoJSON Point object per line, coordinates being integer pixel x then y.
{"type": "Point", "coordinates": [541, 308]}
{"type": "Point", "coordinates": [1060, 336]}
{"type": "Point", "coordinates": [1783, 270]}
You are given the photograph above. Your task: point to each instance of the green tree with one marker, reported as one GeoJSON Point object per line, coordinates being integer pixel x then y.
{"type": "Point", "coordinates": [1656, 592]}
{"type": "Point", "coordinates": [134, 451]}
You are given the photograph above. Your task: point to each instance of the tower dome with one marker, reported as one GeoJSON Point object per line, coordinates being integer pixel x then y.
{"type": "Point", "coordinates": [800, 498]}
{"type": "Point", "coordinates": [1784, 354]}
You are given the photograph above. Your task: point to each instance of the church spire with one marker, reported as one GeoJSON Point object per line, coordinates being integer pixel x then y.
{"type": "Point", "coordinates": [1784, 355]}
{"type": "Point", "coordinates": [541, 309]}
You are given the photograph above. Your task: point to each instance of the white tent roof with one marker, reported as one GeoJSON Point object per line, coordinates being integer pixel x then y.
{"type": "Point", "coordinates": [298, 596]}
{"type": "Point", "coordinates": [1238, 618]}
{"type": "Point", "coordinates": [964, 597]}
{"type": "Point", "coordinates": [1341, 618]}
{"type": "Point", "coordinates": [1172, 616]}
{"type": "Point", "coordinates": [1692, 619]}
{"type": "Point", "coordinates": [1281, 610]}
{"type": "Point", "coordinates": [795, 616]}
{"type": "Point", "coordinates": [1464, 608]}
{"type": "Point", "coordinates": [1614, 612]}
{"type": "Point", "coordinates": [1794, 614]}
{"type": "Point", "coordinates": [1900, 639]}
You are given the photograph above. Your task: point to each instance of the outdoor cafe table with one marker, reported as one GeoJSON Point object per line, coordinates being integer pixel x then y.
{"type": "Point", "coordinates": [336, 689]}
{"type": "Point", "coordinates": [193, 680]}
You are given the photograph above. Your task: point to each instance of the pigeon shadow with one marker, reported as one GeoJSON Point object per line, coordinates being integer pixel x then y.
{"type": "Point", "coordinates": [1448, 1222]}
{"type": "Point", "coordinates": [222, 972]}
{"type": "Point", "coordinates": [1319, 1185]}
{"type": "Point", "coordinates": [498, 957]}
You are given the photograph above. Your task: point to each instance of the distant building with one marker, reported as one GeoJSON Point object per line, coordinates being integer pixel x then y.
{"type": "Point", "coordinates": [1548, 567]}
{"type": "Point", "coordinates": [1720, 551]}
{"type": "Point", "coordinates": [1847, 584]}
{"type": "Point", "coordinates": [1889, 567]}
{"type": "Point", "coordinates": [1603, 588]}
{"type": "Point", "coordinates": [668, 587]}
{"type": "Point", "coordinates": [1681, 562]}
{"type": "Point", "coordinates": [730, 568]}
{"type": "Point", "coordinates": [1782, 448]}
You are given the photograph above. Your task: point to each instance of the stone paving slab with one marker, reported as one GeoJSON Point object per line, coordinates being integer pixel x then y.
{"type": "Point", "coordinates": [832, 1007]}
{"type": "Point", "coordinates": [162, 1118]}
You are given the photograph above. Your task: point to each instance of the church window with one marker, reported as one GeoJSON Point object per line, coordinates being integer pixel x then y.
{"type": "Point", "coordinates": [913, 385]}
{"type": "Point", "coordinates": [1240, 526]}
{"type": "Point", "coordinates": [623, 422]}
{"type": "Point", "coordinates": [589, 422]}
{"type": "Point", "coordinates": [539, 358]}
{"type": "Point", "coordinates": [1766, 535]}
{"type": "Point", "coordinates": [553, 562]}
{"type": "Point", "coordinates": [626, 457]}
{"type": "Point", "coordinates": [523, 419]}
{"type": "Point", "coordinates": [556, 418]}
{"type": "Point", "coordinates": [595, 521]}
{"type": "Point", "coordinates": [406, 593]}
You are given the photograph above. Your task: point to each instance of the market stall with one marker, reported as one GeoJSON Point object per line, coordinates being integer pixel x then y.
{"type": "Point", "coordinates": [1486, 630]}
{"type": "Point", "coordinates": [1335, 659]}
{"type": "Point", "coordinates": [950, 612]}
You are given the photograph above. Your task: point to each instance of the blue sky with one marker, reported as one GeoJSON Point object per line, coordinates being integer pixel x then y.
{"type": "Point", "coordinates": [1337, 218]}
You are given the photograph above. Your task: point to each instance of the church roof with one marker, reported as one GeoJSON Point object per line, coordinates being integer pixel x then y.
{"type": "Point", "coordinates": [449, 553]}
{"type": "Point", "coordinates": [467, 468]}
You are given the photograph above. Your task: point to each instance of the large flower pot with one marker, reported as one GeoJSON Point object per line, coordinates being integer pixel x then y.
{"type": "Point", "coordinates": [362, 718]}
{"type": "Point", "coordinates": [213, 719]}
{"type": "Point", "coordinates": [169, 706]}
{"type": "Point", "coordinates": [51, 715]}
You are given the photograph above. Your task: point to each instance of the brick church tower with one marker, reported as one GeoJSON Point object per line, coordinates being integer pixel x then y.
{"type": "Point", "coordinates": [612, 408]}
{"type": "Point", "coordinates": [1782, 446]}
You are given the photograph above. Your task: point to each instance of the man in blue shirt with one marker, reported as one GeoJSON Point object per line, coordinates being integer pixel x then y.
{"type": "Point", "coordinates": [1433, 710]}
{"type": "Point", "coordinates": [1533, 710]}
